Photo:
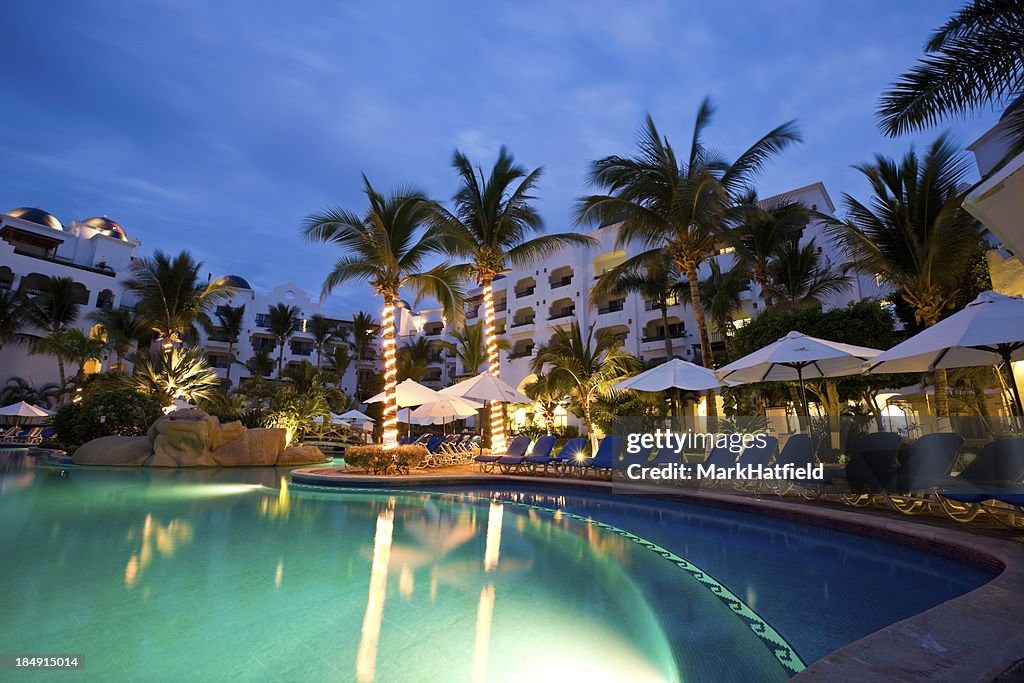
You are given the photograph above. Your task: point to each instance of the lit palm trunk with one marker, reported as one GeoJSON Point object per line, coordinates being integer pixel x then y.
{"type": "Point", "coordinates": [494, 365]}
{"type": "Point", "coordinates": [390, 417]}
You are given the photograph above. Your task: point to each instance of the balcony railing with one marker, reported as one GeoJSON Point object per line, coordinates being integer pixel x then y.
{"type": "Point", "coordinates": [433, 332]}
{"type": "Point", "coordinates": [520, 293]}
{"type": "Point", "coordinates": [500, 307]}
{"type": "Point", "coordinates": [564, 313]}
{"type": "Point", "coordinates": [473, 313]}
{"type": "Point", "coordinates": [660, 336]}
{"type": "Point", "coordinates": [612, 307]}
{"type": "Point", "coordinates": [565, 281]}
{"type": "Point", "coordinates": [524, 353]}
{"type": "Point", "coordinates": [523, 322]}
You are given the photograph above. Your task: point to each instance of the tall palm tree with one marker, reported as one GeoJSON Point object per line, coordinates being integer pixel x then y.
{"type": "Point", "coordinates": [584, 365]}
{"type": "Point", "coordinates": [680, 205]}
{"type": "Point", "coordinates": [338, 361]}
{"type": "Point", "coordinates": [547, 395]}
{"type": "Point", "coordinates": [122, 330]}
{"type": "Point", "coordinates": [324, 332]}
{"type": "Point", "coordinates": [283, 321]}
{"type": "Point", "coordinates": [913, 232]}
{"type": "Point", "coordinates": [799, 276]}
{"type": "Point", "coordinates": [975, 59]}
{"type": "Point", "coordinates": [469, 347]}
{"type": "Point", "coordinates": [364, 333]}
{"type": "Point", "coordinates": [261, 364]}
{"type": "Point", "coordinates": [230, 323]}
{"type": "Point", "coordinates": [759, 232]}
{"type": "Point", "coordinates": [652, 275]}
{"type": "Point", "coordinates": [171, 298]}
{"type": "Point", "coordinates": [12, 317]}
{"type": "Point", "coordinates": [78, 348]}
{"type": "Point", "coordinates": [389, 247]}
{"type": "Point", "coordinates": [495, 226]}
{"type": "Point", "coordinates": [721, 295]}
{"type": "Point", "coordinates": [53, 311]}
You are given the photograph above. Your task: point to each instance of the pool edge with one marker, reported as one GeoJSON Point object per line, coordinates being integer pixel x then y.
{"type": "Point", "coordinates": [974, 637]}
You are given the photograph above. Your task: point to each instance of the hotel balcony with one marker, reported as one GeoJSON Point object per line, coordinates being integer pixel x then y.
{"type": "Point", "coordinates": [560, 277]}
{"type": "Point", "coordinates": [613, 306]}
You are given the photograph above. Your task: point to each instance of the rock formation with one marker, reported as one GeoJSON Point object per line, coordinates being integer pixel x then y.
{"type": "Point", "coordinates": [191, 438]}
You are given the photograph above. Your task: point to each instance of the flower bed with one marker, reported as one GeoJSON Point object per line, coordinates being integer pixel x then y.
{"type": "Point", "coordinates": [376, 460]}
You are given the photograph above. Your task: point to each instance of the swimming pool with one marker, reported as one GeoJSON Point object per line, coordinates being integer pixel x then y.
{"type": "Point", "coordinates": [205, 575]}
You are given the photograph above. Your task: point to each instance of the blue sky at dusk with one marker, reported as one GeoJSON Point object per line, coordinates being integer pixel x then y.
{"type": "Point", "coordinates": [216, 126]}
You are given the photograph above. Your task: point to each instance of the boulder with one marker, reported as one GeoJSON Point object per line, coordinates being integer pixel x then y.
{"type": "Point", "coordinates": [225, 433]}
{"type": "Point", "coordinates": [114, 450]}
{"type": "Point", "coordinates": [255, 447]}
{"type": "Point", "coordinates": [301, 455]}
{"type": "Point", "coordinates": [183, 442]}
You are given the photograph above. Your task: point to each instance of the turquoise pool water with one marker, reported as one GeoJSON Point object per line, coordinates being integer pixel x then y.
{"type": "Point", "coordinates": [218, 575]}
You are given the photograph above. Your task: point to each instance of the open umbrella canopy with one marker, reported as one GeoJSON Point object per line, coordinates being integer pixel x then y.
{"type": "Point", "coordinates": [797, 357]}
{"type": "Point", "coordinates": [410, 393]}
{"type": "Point", "coordinates": [355, 416]}
{"type": "Point", "coordinates": [987, 328]}
{"type": "Point", "coordinates": [487, 387]}
{"type": "Point", "coordinates": [673, 374]}
{"type": "Point", "coordinates": [988, 331]}
{"type": "Point", "coordinates": [23, 410]}
{"type": "Point", "coordinates": [449, 406]}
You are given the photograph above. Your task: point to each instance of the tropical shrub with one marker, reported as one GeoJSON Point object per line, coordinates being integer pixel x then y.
{"type": "Point", "coordinates": [376, 460]}
{"type": "Point", "coordinates": [123, 412]}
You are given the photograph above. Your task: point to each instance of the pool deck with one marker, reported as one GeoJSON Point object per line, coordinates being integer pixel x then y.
{"type": "Point", "coordinates": [975, 637]}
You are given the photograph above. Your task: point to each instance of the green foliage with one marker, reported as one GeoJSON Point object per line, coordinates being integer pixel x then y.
{"type": "Point", "coordinates": [376, 460]}
{"type": "Point", "coordinates": [168, 374]}
{"type": "Point", "coordinates": [123, 412]}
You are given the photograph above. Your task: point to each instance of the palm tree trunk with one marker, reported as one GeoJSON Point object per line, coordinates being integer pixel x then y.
{"type": "Point", "coordinates": [63, 379]}
{"type": "Point", "coordinates": [707, 358]}
{"type": "Point", "coordinates": [389, 418]}
{"type": "Point", "coordinates": [591, 434]}
{"type": "Point", "coordinates": [280, 357]}
{"type": "Point", "coordinates": [231, 359]}
{"type": "Point", "coordinates": [663, 302]}
{"type": "Point", "coordinates": [941, 383]}
{"type": "Point", "coordinates": [494, 366]}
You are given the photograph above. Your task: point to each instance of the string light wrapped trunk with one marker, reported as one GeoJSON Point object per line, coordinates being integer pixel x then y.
{"type": "Point", "coordinates": [390, 413]}
{"type": "Point", "coordinates": [494, 366]}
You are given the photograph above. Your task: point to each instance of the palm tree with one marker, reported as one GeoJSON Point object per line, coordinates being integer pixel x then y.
{"type": "Point", "coordinates": [585, 366]}
{"type": "Point", "coordinates": [759, 232]}
{"type": "Point", "coordinates": [364, 332]}
{"type": "Point", "coordinates": [79, 348]}
{"type": "Point", "coordinates": [494, 225]}
{"type": "Point", "coordinates": [413, 359]}
{"type": "Point", "coordinates": [261, 364]}
{"type": "Point", "coordinates": [651, 274]}
{"type": "Point", "coordinates": [11, 316]}
{"type": "Point", "coordinates": [721, 295]}
{"type": "Point", "coordinates": [53, 311]}
{"type": "Point", "coordinates": [230, 323]}
{"type": "Point", "coordinates": [389, 247]}
{"type": "Point", "coordinates": [122, 330]}
{"type": "Point", "coordinates": [799, 277]}
{"type": "Point", "coordinates": [171, 373]}
{"type": "Point", "coordinates": [324, 332]}
{"type": "Point", "coordinates": [338, 361]}
{"type": "Point", "coordinates": [914, 233]}
{"type": "Point", "coordinates": [975, 59]}
{"type": "Point", "coordinates": [469, 347]}
{"type": "Point", "coordinates": [171, 298]}
{"type": "Point", "coordinates": [547, 395]}
{"type": "Point", "coordinates": [283, 321]}
{"type": "Point", "coordinates": [20, 389]}
{"type": "Point", "coordinates": [680, 205]}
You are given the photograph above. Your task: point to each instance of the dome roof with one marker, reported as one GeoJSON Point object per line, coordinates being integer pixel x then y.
{"type": "Point", "coordinates": [106, 226]}
{"type": "Point", "coordinates": [37, 216]}
{"type": "Point", "coordinates": [236, 281]}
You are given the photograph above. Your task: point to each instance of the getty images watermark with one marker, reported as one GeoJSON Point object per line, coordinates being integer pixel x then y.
{"type": "Point", "coordinates": [665, 455]}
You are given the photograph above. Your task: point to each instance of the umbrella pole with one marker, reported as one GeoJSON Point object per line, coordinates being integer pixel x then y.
{"type": "Point", "coordinates": [803, 396]}
{"type": "Point", "coordinates": [1019, 407]}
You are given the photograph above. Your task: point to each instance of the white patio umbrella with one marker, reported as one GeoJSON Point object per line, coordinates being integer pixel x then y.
{"type": "Point", "coordinates": [23, 411]}
{"type": "Point", "coordinates": [797, 357]}
{"type": "Point", "coordinates": [410, 394]}
{"type": "Point", "coordinates": [673, 374]}
{"type": "Point", "coordinates": [487, 387]}
{"type": "Point", "coordinates": [448, 407]}
{"type": "Point", "coordinates": [355, 416]}
{"type": "Point", "coordinates": [988, 331]}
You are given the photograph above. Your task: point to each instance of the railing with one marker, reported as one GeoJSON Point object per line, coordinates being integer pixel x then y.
{"type": "Point", "coordinates": [565, 313]}
{"type": "Point", "coordinates": [660, 336]}
{"type": "Point", "coordinates": [473, 313]}
{"type": "Point", "coordinates": [612, 307]}
{"type": "Point", "coordinates": [433, 332]}
{"type": "Point", "coordinates": [521, 323]}
{"type": "Point", "coordinates": [109, 272]}
{"type": "Point", "coordinates": [567, 280]}
{"type": "Point", "coordinates": [501, 308]}
{"type": "Point", "coordinates": [528, 351]}
{"type": "Point", "coordinates": [520, 293]}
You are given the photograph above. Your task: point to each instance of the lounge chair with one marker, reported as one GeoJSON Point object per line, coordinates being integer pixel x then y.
{"type": "Point", "coordinates": [799, 452]}
{"type": "Point", "coordinates": [541, 450]}
{"type": "Point", "coordinates": [756, 454]}
{"type": "Point", "coordinates": [925, 467]}
{"type": "Point", "coordinates": [570, 454]}
{"type": "Point", "coordinates": [518, 446]}
{"type": "Point", "coordinates": [20, 434]}
{"type": "Point", "coordinates": [720, 457]}
{"type": "Point", "coordinates": [870, 467]}
{"type": "Point", "coordinates": [995, 473]}
{"type": "Point", "coordinates": [604, 460]}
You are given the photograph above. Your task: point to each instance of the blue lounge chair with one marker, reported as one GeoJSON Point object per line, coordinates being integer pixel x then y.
{"type": "Point", "coordinates": [569, 454]}
{"type": "Point", "coordinates": [995, 473]}
{"type": "Point", "coordinates": [540, 453]}
{"type": "Point", "coordinates": [925, 467]}
{"type": "Point", "coordinates": [756, 454]}
{"type": "Point", "coordinates": [799, 452]}
{"type": "Point", "coordinates": [518, 446]}
{"type": "Point", "coordinates": [871, 466]}
{"type": "Point", "coordinates": [607, 452]}
{"type": "Point", "coordinates": [720, 456]}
